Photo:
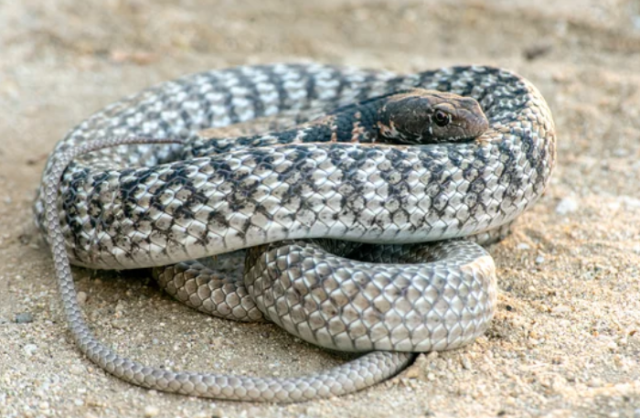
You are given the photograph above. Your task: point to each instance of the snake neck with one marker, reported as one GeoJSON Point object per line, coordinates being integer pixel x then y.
{"type": "Point", "coordinates": [412, 117]}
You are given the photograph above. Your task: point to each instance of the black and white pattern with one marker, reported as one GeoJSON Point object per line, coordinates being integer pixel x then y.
{"type": "Point", "coordinates": [135, 206]}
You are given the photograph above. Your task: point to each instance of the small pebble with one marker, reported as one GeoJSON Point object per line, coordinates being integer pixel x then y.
{"type": "Point", "coordinates": [82, 298]}
{"type": "Point", "coordinates": [119, 324]}
{"type": "Point", "coordinates": [539, 259]}
{"type": "Point", "coordinates": [30, 349]}
{"type": "Point", "coordinates": [151, 411]}
{"type": "Point", "coordinates": [23, 318]}
{"type": "Point", "coordinates": [523, 246]}
{"type": "Point", "coordinates": [254, 412]}
{"type": "Point", "coordinates": [119, 309]}
{"type": "Point", "coordinates": [620, 152]}
{"type": "Point", "coordinates": [561, 309]}
{"type": "Point", "coordinates": [412, 373]}
{"type": "Point", "coordinates": [76, 369]}
{"type": "Point", "coordinates": [466, 364]}
{"type": "Point", "coordinates": [630, 202]}
{"type": "Point", "coordinates": [566, 205]}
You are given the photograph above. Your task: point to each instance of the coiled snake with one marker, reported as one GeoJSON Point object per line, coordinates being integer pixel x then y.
{"type": "Point", "coordinates": [130, 203]}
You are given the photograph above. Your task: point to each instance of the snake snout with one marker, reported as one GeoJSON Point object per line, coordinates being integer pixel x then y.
{"type": "Point", "coordinates": [475, 122]}
{"type": "Point", "coordinates": [482, 125]}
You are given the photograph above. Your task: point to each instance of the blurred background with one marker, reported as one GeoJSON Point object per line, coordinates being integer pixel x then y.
{"type": "Point", "coordinates": [566, 338]}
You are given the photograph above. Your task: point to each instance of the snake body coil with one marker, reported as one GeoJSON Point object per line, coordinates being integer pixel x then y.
{"type": "Point", "coordinates": [129, 206]}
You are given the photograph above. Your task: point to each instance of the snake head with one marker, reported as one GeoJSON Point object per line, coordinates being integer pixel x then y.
{"type": "Point", "coordinates": [421, 116]}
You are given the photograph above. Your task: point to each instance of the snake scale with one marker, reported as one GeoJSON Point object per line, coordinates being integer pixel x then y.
{"type": "Point", "coordinates": [351, 246]}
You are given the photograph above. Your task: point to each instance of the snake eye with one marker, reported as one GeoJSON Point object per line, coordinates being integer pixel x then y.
{"type": "Point", "coordinates": [441, 118]}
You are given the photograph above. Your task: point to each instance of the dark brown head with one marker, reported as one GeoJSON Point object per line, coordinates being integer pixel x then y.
{"type": "Point", "coordinates": [426, 116]}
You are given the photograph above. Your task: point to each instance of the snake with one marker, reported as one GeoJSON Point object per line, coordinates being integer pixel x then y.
{"type": "Point", "coordinates": [357, 229]}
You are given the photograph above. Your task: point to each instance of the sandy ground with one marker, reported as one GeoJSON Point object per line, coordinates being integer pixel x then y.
{"type": "Point", "coordinates": [566, 338]}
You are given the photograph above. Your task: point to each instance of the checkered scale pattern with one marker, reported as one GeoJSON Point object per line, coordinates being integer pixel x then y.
{"type": "Point", "coordinates": [112, 197]}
